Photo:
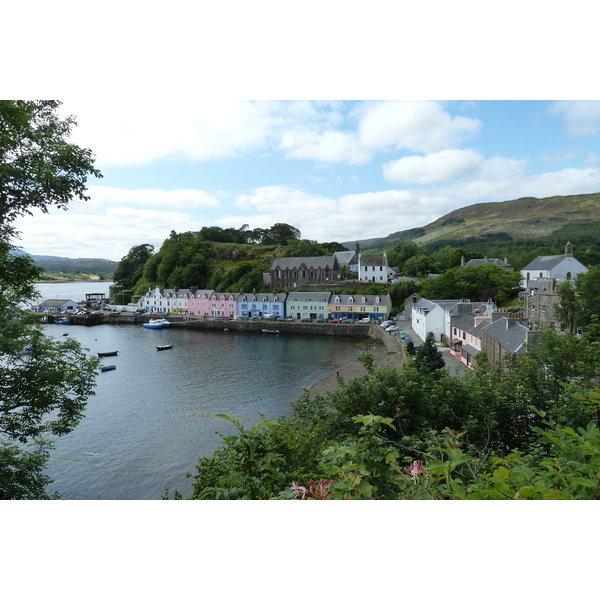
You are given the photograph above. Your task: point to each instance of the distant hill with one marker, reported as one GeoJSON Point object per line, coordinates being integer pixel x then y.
{"type": "Point", "coordinates": [60, 264]}
{"type": "Point", "coordinates": [513, 219]}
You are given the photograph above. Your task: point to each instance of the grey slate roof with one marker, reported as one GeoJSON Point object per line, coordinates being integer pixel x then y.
{"type": "Point", "coordinates": [510, 335]}
{"type": "Point", "coordinates": [49, 303]}
{"type": "Point", "coordinates": [316, 262]}
{"type": "Point", "coordinates": [469, 308]}
{"type": "Point", "coordinates": [346, 257]}
{"type": "Point", "coordinates": [357, 299]}
{"type": "Point", "coordinates": [260, 297]}
{"type": "Point", "coordinates": [544, 263]}
{"type": "Point", "coordinates": [467, 323]}
{"type": "Point", "coordinates": [308, 297]}
{"type": "Point", "coordinates": [373, 261]}
{"type": "Point", "coordinates": [474, 262]}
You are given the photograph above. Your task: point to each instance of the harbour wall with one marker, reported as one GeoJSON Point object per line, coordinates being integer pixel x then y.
{"type": "Point", "coordinates": [355, 330]}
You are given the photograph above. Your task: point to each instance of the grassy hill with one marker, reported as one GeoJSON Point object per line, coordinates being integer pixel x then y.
{"type": "Point", "coordinates": [59, 268]}
{"type": "Point", "coordinates": [524, 218]}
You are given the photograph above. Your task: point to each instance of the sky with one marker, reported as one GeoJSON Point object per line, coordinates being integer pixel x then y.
{"type": "Point", "coordinates": [336, 170]}
{"type": "Point", "coordinates": [345, 123]}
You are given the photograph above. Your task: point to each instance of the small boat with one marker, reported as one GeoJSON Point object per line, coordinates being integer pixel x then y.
{"type": "Point", "coordinates": [157, 324]}
{"type": "Point", "coordinates": [64, 322]}
{"type": "Point", "coordinates": [165, 347]}
{"type": "Point", "coordinates": [65, 334]}
{"type": "Point", "coordinates": [271, 331]}
{"type": "Point", "coordinates": [113, 353]}
{"type": "Point", "coordinates": [108, 368]}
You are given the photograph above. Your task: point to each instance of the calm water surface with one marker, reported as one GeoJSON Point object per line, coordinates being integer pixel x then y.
{"type": "Point", "coordinates": [154, 415]}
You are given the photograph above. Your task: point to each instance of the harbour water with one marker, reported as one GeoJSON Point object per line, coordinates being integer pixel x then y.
{"type": "Point", "coordinates": [155, 414]}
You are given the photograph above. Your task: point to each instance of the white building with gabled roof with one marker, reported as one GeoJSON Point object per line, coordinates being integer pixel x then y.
{"type": "Point", "coordinates": [560, 266]}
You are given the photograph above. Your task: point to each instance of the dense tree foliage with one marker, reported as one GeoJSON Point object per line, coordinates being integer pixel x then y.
{"type": "Point", "coordinates": [131, 267]}
{"type": "Point", "coordinates": [44, 384]}
{"type": "Point", "coordinates": [479, 283]}
{"type": "Point", "coordinates": [579, 305]}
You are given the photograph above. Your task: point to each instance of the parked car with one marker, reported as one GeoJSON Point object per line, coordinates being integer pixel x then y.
{"type": "Point", "coordinates": [281, 319]}
{"type": "Point", "coordinates": [335, 320]}
{"type": "Point", "coordinates": [392, 328]}
{"type": "Point", "coordinates": [386, 324]}
{"type": "Point", "coordinates": [322, 320]}
{"type": "Point", "coordinates": [365, 320]}
{"type": "Point", "coordinates": [306, 320]}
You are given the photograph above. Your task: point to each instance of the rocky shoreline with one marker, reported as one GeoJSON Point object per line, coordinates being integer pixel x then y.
{"type": "Point", "coordinates": [382, 349]}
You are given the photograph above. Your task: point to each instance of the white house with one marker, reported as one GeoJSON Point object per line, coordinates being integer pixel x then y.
{"type": "Point", "coordinates": [429, 316]}
{"type": "Point", "coordinates": [561, 266]}
{"type": "Point", "coordinates": [374, 269]}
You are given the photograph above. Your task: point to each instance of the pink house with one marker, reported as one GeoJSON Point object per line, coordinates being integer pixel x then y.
{"type": "Point", "coordinates": [465, 338]}
{"type": "Point", "coordinates": [199, 303]}
{"type": "Point", "coordinates": [222, 304]}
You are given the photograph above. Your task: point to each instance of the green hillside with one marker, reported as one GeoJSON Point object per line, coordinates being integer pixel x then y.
{"type": "Point", "coordinates": [521, 219]}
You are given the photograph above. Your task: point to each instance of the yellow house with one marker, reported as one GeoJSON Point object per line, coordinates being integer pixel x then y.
{"type": "Point", "coordinates": [360, 306]}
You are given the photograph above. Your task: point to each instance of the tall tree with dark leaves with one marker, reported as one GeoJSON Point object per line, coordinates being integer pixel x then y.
{"type": "Point", "coordinates": [44, 384]}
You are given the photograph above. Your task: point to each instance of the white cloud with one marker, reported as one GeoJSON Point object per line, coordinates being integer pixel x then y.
{"type": "Point", "coordinates": [124, 132]}
{"type": "Point", "coordinates": [284, 200]}
{"type": "Point", "coordinates": [451, 164]}
{"type": "Point", "coordinates": [110, 235]}
{"type": "Point", "coordinates": [419, 126]}
{"type": "Point", "coordinates": [188, 198]}
{"type": "Point", "coordinates": [581, 117]}
{"type": "Point", "coordinates": [128, 132]}
{"type": "Point", "coordinates": [433, 168]}
{"type": "Point", "coordinates": [330, 146]}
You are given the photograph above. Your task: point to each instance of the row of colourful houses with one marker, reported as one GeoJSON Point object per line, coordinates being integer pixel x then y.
{"type": "Point", "coordinates": [296, 305]}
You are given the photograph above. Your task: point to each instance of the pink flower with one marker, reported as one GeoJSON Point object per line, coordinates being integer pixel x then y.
{"type": "Point", "coordinates": [415, 470]}
{"type": "Point", "coordinates": [319, 490]}
{"type": "Point", "coordinates": [300, 489]}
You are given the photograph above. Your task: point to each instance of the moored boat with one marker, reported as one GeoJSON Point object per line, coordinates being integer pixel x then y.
{"type": "Point", "coordinates": [164, 347]}
{"type": "Point", "coordinates": [271, 331]}
{"type": "Point", "coordinates": [108, 368]}
{"type": "Point", "coordinates": [157, 324]}
{"type": "Point", "coordinates": [113, 353]}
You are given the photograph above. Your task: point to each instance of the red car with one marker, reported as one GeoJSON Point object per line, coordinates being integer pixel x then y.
{"type": "Point", "coordinates": [335, 320]}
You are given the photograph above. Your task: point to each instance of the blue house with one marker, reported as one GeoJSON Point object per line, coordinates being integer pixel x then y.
{"type": "Point", "coordinates": [260, 304]}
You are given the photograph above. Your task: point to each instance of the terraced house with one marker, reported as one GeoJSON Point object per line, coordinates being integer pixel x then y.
{"type": "Point", "coordinates": [222, 304]}
{"type": "Point", "coordinates": [307, 305]}
{"type": "Point", "coordinates": [199, 303]}
{"type": "Point", "coordinates": [359, 306]}
{"type": "Point", "coordinates": [257, 305]}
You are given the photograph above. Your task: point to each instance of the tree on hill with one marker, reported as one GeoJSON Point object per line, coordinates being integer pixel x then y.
{"type": "Point", "coordinates": [44, 384]}
{"type": "Point", "coordinates": [131, 267]}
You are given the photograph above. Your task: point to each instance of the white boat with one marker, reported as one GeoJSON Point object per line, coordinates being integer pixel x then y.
{"type": "Point", "coordinates": [157, 324]}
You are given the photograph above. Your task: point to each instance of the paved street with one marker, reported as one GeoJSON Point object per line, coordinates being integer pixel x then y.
{"type": "Point", "coordinates": [454, 366]}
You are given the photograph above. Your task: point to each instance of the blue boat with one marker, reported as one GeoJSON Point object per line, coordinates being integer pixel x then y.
{"type": "Point", "coordinates": [157, 324]}
{"type": "Point", "coordinates": [108, 368]}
